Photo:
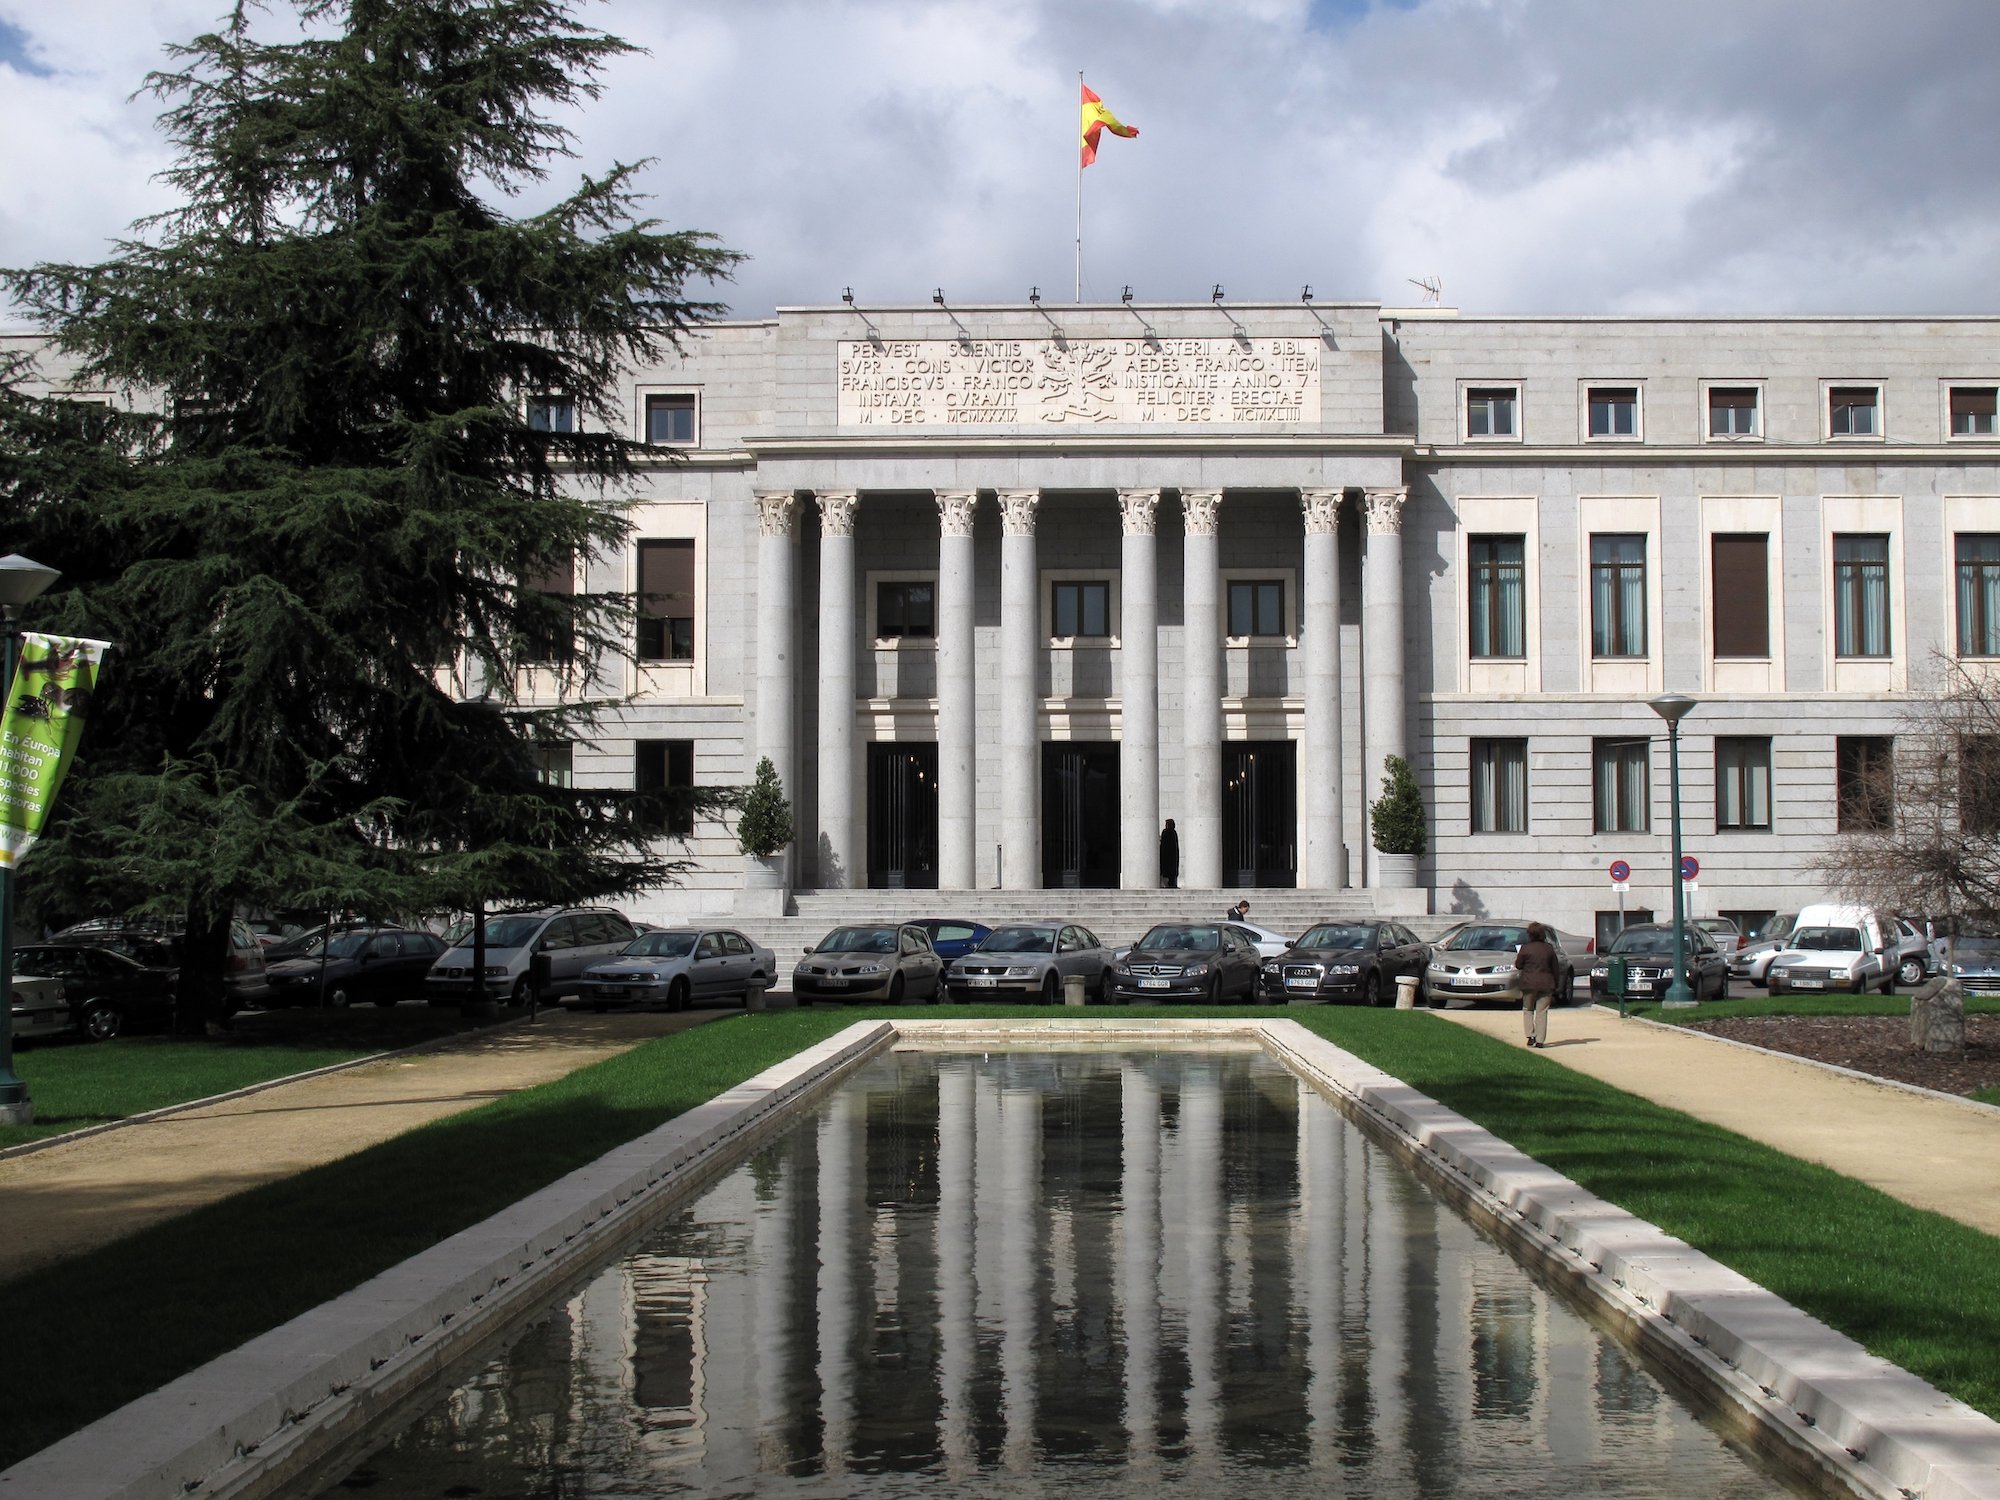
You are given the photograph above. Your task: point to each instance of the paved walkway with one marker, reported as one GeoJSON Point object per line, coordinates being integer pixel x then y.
{"type": "Point", "coordinates": [71, 1198]}
{"type": "Point", "coordinates": [1931, 1153]}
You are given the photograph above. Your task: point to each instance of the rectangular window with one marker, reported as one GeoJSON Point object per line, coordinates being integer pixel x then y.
{"type": "Point", "coordinates": [1732, 411]}
{"type": "Point", "coordinates": [1256, 606]}
{"type": "Point", "coordinates": [1973, 410]}
{"type": "Point", "coordinates": [1081, 610]}
{"type": "Point", "coordinates": [1489, 412]}
{"type": "Point", "coordinates": [1852, 411]}
{"type": "Point", "coordinates": [1618, 595]}
{"type": "Point", "coordinates": [1620, 777]}
{"type": "Point", "coordinates": [1741, 606]}
{"type": "Point", "coordinates": [905, 610]}
{"type": "Point", "coordinates": [1614, 411]}
{"type": "Point", "coordinates": [1742, 782]}
{"type": "Point", "coordinates": [1978, 593]}
{"type": "Point", "coordinates": [1497, 604]}
{"type": "Point", "coordinates": [666, 600]}
{"type": "Point", "coordinates": [1860, 596]}
{"type": "Point", "coordinates": [551, 414]}
{"type": "Point", "coordinates": [1499, 786]}
{"type": "Point", "coordinates": [670, 420]}
{"type": "Point", "coordinates": [554, 764]}
{"type": "Point", "coordinates": [666, 768]}
{"type": "Point", "coordinates": [546, 601]}
{"type": "Point", "coordinates": [1979, 784]}
{"type": "Point", "coordinates": [1864, 782]}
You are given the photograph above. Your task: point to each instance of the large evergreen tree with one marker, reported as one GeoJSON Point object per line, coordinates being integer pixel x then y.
{"type": "Point", "coordinates": [313, 537]}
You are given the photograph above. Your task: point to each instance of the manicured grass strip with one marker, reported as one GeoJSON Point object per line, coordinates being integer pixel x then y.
{"type": "Point", "coordinates": [1986, 1096]}
{"type": "Point", "coordinates": [1797, 1005]}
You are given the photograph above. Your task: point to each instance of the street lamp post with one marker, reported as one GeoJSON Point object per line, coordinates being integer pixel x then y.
{"type": "Point", "coordinates": [20, 581]}
{"type": "Point", "coordinates": [1673, 707]}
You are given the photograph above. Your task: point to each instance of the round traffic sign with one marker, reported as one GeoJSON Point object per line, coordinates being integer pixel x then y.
{"type": "Point", "coordinates": [1620, 870]}
{"type": "Point", "coordinates": [1690, 867]}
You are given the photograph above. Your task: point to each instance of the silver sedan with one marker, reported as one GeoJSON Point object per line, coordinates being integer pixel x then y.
{"type": "Point", "coordinates": [678, 967]}
{"type": "Point", "coordinates": [1030, 960]}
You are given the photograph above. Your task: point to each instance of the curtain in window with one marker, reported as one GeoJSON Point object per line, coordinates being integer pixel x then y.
{"type": "Point", "coordinates": [1621, 788]}
{"type": "Point", "coordinates": [1617, 596]}
{"type": "Point", "coordinates": [1743, 783]}
{"type": "Point", "coordinates": [1978, 595]}
{"type": "Point", "coordinates": [1861, 596]}
{"type": "Point", "coordinates": [1499, 601]}
{"type": "Point", "coordinates": [1499, 786]}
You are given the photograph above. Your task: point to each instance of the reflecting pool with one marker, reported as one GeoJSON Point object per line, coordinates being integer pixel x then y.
{"type": "Point", "coordinates": [1096, 1273]}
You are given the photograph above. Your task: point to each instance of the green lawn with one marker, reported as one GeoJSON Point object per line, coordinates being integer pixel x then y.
{"type": "Point", "coordinates": [90, 1334]}
{"type": "Point", "coordinates": [1986, 1096]}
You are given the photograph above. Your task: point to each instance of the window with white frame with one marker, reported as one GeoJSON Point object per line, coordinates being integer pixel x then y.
{"type": "Point", "coordinates": [1860, 595]}
{"type": "Point", "coordinates": [1496, 600]}
{"type": "Point", "coordinates": [1620, 774]}
{"type": "Point", "coordinates": [1499, 789]}
{"type": "Point", "coordinates": [1973, 411]}
{"type": "Point", "coordinates": [554, 764]}
{"type": "Point", "coordinates": [1614, 411]}
{"type": "Point", "coordinates": [1854, 411]}
{"type": "Point", "coordinates": [664, 611]}
{"type": "Point", "coordinates": [1617, 595]}
{"type": "Point", "coordinates": [670, 419]}
{"type": "Point", "coordinates": [1742, 782]}
{"type": "Point", "coordinates": [1733, 411]}
{"type": "Point", "coordinates": [1490, 411]}
{"type": "Point", "coordinates": [551, 413]}
{"type": "Point", "coordinates": [1978, 560]}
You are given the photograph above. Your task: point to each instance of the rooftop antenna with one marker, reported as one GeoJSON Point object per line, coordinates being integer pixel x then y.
{"type": "Point", "coordinates": [964, 338]}
{"type": "Point", "coordinates": [1152, 338]}
{"type": "Point", "coordinates": [1242, 333]}
{"type": "Point", "coordinates": [847, 296]}
{"type": "Point", "coordinates": [1430, 286]}
{"type": "Point", "coordinates": [1035, 301]}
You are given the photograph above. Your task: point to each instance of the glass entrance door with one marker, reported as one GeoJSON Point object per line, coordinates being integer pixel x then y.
{"type": "Point", "coordinates": [1260, 813]}
{"type": "Point", "coordinates": [902, 817]}
{"type": "Point", "coordinates": [1079, 814]}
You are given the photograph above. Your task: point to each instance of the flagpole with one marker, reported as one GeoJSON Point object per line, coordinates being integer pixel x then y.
{"type": "Point", "coordinates": [1079, 205]}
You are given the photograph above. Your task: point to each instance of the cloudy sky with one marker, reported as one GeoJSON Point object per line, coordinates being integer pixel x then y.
{"type": "Point", "coordinates": [1531, 155]}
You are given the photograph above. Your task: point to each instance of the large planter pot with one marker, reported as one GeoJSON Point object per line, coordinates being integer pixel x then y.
{"type": "Point", "coordinates": [1398, 871]}
{"type": "Point", "coordinates": [767, 886]}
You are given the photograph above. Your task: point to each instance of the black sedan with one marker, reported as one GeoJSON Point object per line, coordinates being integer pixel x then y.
{"type": "Point", "coordinates": [1207, 961]}
{"type": "Point", "coordinates": [1345, 961]}
{"type": "Point", "coordinates": [1648, 951]}
{"type": "Point", "coordinates": [108, 992]}
{"type": "Point", "coordinates": [385, 965]}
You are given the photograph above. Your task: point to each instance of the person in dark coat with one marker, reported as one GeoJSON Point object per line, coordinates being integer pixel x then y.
{"type": "Point", "coordinates": [1170, 856]}
{"type": "Point", "coordinates": [1536, 961]}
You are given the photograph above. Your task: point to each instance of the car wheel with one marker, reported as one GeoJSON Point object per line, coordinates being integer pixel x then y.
{"type": "Point", "coordinates": [1371, 989]}
{"type": "Point", "coordinates": [1103, 994]}
{"type": "Point", "coordinates": [1910, 972]}
{"type": "Point", "coordinates": [102, 1022]}
{"type": "Point", "coordinates": [677, 995]}
{"type": "Point", "coordinates": [1051, 988]}
{"type": "Point", "coordinates": [896, 989]}
{"type": "Point", "coordinates": [337, 998]}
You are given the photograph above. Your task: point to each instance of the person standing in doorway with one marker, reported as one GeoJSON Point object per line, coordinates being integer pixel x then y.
{"type": "Point", "coordinates": [1536, 963]}
{"type": "Point", "coordinates": [1170, 856]}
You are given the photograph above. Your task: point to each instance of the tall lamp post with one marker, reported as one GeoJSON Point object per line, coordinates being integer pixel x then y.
{"type": "Point", "coordinates": [20, 581]}
{"type": "Point", "coordinates": [1673, 707]}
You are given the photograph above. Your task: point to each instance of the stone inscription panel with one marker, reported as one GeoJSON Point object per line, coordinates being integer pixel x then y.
{"type": "Point", "coordinates": [1035, 383]}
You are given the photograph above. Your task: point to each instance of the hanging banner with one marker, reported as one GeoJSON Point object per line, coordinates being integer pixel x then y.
{"type": "Point", "coordinates": [38, 734]}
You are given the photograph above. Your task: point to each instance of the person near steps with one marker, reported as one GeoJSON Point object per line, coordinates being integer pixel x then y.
{"type": "Point", "coordinates": [1536, 961]}
{"type": "Point", "coordinates": [1170, 856]}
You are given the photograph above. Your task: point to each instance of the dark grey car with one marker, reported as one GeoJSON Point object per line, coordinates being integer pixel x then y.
{"type": "Point", "coordinates": [1205, 961]}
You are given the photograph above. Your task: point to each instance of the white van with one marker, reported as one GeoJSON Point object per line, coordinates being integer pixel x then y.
{"type": "Point", "coordinates": [1836, 947]}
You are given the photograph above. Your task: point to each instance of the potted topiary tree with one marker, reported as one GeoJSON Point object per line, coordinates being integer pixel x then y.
{"type": "Point", "coordinates": [1398, 821]}
{"type": "Point", "coordinates": [764, 833]}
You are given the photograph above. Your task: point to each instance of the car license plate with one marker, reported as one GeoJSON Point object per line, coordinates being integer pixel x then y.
{"type": "Point", "coordinates": [1465, 979]}
{"type": "Point", "coordinates": [981, 981]}
{"type": "Point", "coordinates": [1640, 986]}
{"type": "Point", "coordinates": [1303, 984]}
{"type": "Point", "coordinates": [611, 989]}
{"type": "Point", "coordinates": [834, 982]}
{"type": "Point", "coordinates": [1152, 984]}
{"type": "Point", "coordinates": [1805, 984]}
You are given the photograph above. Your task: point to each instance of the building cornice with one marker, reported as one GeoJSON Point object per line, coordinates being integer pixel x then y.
{"type": "Point", "coordinates": [1639, 456]}
{"type": "Point", "coordinates": [935, 444]}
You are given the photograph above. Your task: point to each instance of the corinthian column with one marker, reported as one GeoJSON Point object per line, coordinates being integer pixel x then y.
{"type": "Point", "coordinates": [1201, 693]}
{"type": "Point", "coordinates": [777, 627]}
{"type": "Point", "coordinates": [957, 822]}
{"type": "Point", "coordinates": [836, 689]}
{"type": "Point", "coordinates": [1319, 648]}
{"type": "Point", "coordinates": [1382, 706]}
{"type": "Point", "coordinates": [1139, 695]}
{"type": "Point", "coordinates": [1020, 692]}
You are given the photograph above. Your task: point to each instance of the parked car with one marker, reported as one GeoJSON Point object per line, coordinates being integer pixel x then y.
{"type": "Point", "coordinates": [952, 937]}
{"type": "Point", "coordinates": [157, 944]}
{"type": "Point", "coordinates": [1909, 951]}
{"type": "Point", "coordinates": [1752, 960]}
{"type": "Point", "coordinates": [1337, 961]}
{"type": "Point", "coordinates": [1648, 951]}
{"type": "Point", "coordinates": [574, 938]}
{"type": "Point", "coordinates": [677, 967]}
{"type": "Point", "coordinates": [1728, 936]}
{"type": "Point", "coordinates": [1209, 961]}
{"type": "Point", "coordinates": [270, 930]}
{"type": "Point", "coordinates": [1267, 942]}
{"type": "Point", "coordinates": [383, 964]}
{"type": "Point", "coordinates": [1835, 948]}
{"type": "Point", "coordinates": [891, 961]}
{"type": "Point", "coordinates": [1476, 963]}
{"type": "Point", "coordinates": [107, 993]}
{"type": "Point", "coordinates": [40, 1006]}
{"type": "Point", "coordinates": [1975, 963]}
{"type": "Point", "coordinates": [1029, 960]}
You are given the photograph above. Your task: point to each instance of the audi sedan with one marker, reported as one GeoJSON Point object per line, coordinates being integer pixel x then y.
{"type": "Point", "coordinates": [890, 961]}
{"type": "Point", "coordinates": [1345, 961]}
{"type": "Point", "coordinates": [1207, 961]}
{"type": "Point", "coordinates": [1648, 951]}
{"type": "Point", "coordinates": [1030, 961]}
{"type": "Point", "coordinates": [1477, 963]}
{"type": "Point", "coordinates": [678, 967]}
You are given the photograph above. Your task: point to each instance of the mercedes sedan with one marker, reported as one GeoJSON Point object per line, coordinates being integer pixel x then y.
{"type": "Point", "coordinates": [1345, 961]}
{"type": "Point", "coordinates": [887, 961]}
{"type": "Point", "coordinates": [1208, 961]}
{"type": "Point", "coordinates": [1030, 961]}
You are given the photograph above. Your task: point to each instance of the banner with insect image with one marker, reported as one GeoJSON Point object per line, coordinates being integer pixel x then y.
{"type": "Point", "coordinates": [38, 734]}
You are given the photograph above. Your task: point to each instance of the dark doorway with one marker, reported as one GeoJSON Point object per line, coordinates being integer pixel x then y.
{"type": "Point", "coordinates": [1079, 814]}
{"type": "Point", "coordinates": [1260, 813]}
{"type": "Point", "coordinates": [902, 817]}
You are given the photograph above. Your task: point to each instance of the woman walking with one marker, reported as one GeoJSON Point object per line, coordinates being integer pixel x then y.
{"type": "Point", "coordinates": [1536, 962]}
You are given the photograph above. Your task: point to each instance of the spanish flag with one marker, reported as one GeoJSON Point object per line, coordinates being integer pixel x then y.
{"type": "Point", "coordinates": [1096, 120]}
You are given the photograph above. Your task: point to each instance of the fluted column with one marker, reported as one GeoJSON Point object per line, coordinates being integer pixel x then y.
{"type": "Point", "coordinates": [1200, 811]}
{"type": "Point", "coordinates": [958, 834]}
{"type": "Point", "coordinates": [1319, 650]}
{"type": "Point", "coordinates": [1382, 707]}
{"type": "Point", "coordinates": [837, 847]}
{"type": "Point", "coordinates": [1020, 692]}
{"type": "Point", "coordinates": [1139, 694]}
{"type": "Point", "coordinates": [777, 633]}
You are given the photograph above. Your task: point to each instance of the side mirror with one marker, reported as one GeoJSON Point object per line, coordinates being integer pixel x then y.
{"type": "Point", "coordinates": [808, 952]}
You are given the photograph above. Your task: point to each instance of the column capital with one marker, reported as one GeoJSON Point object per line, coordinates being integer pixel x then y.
{"type": "Point", "coordinates": [1201, 511]}
{"type": "Point", "coordinates": [955, 511]}
{"type": "Point", "coordinates": [1017, 511]}
{"type": "Point", "coordinates": [1136, 509]}
{"type": "Point", "coordinates": [836, 511]}
{"type": "Point", "coordinates": [1322, 509]}
{"type": "Point", "coordinates": [777, 512]}
{"type": "Point", "coordinates": [1384, 509]}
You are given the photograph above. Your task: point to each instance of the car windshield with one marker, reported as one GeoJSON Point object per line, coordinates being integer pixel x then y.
{"type": "Point", "coordinates": [1488, 939]}
{"type": "Point", "coordinates": [661, 945]}
{"type": "Point", "coordinates": [509, 932]}
{"type": "Point", "coordinates": [859, 940]}
{"type": "Point", "coordinates": [1828, 939]}
{"type": "Point", "coordinates": [1778, 926]}
{"type": "Point", "coordinates": [1020, 940]}
{"type": "Point", "coordinates": [1187, 939]}
{"type": "Point", "coordinates": [1715, 924]}
{"type": "Point", "coordinates": [1984, 949]}
{"type": "Point", "coordinates": [346, 945]}
{"type": "Point", "coordinates": [1333, 936]}
{"type": "Point", "coordinates": [1638, 940]}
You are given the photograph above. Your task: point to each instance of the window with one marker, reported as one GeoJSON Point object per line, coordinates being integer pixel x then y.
{"type": "Point", "coordinates": [666, 769]}
{"type": "Point", "coordinates": [1860, 596]}
{"type": "Point", "coordinates": [1732, 411]}
{"type": "Point", "coordinates": [670, 419]}
{"type": "Point", "coordinates": [1489, 412]}
{"type": "Point", "coordinates": [1619, 774]}
{"type": "Point", "coordinates": [1978, 593]}
{"type": "Point", "coordinates": [545, 601]}
{"type": "Point", "coordinates": [1973, 410]}
{"type": "Point", "coordinates": [1080, 608]}
{"type": "Point", "coordinates": [1256, 606]}
{"type": "Point", "coordinates": [552, 414]}
{"type": "Point", "coordinates": [554, 765]}
{"type": "Point", "coordinates": [1852, 411]}
{"type": "Point", "coordinates": [1979, 784]}
{"type": "Point", "coordinates": [665, 606]}
{"type": "Point", "coordinates": [1740, 580]}
{"type": "Point", "coordinates": [1742, 782]}
{"type": "Point", "coordinates": [1499, 786]}
{"type": "Point", "coordinates": [1618, 595]}
{"type": "Point", "coordinates": [1497, 608]}
{"type": "Point", "coordinates": [1614, 411]}
{"type": "Point", "coordinates": [1864, 782]}
{"type": "Point", "coordinates": [906, 609]}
